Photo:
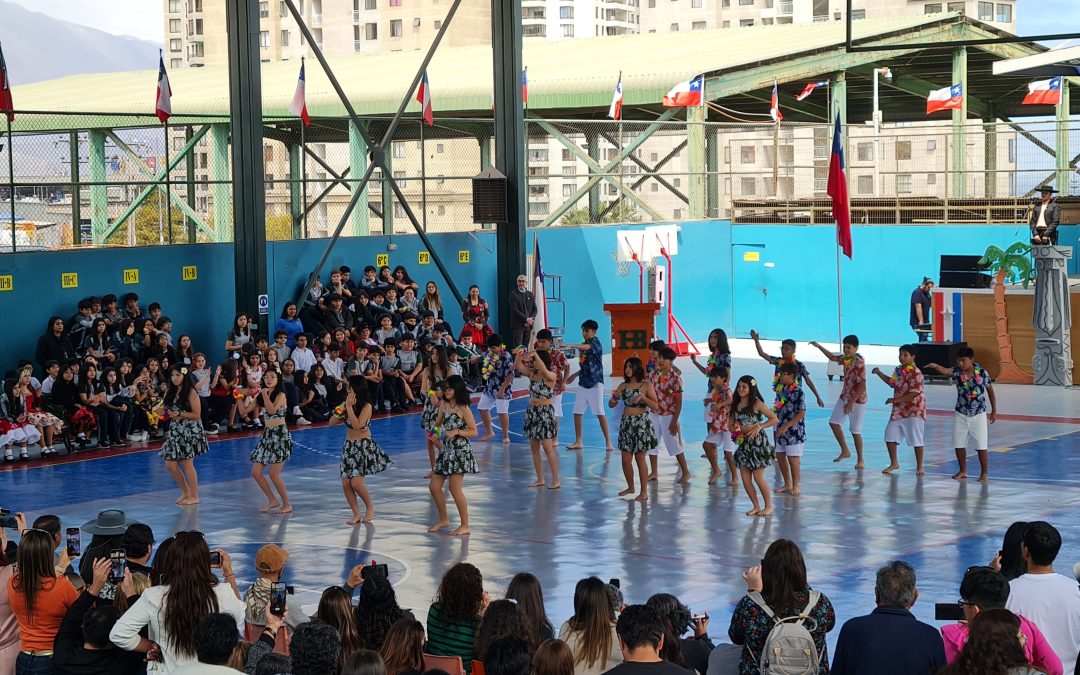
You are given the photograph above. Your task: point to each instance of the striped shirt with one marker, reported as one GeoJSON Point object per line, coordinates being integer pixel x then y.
{"type": "Point", "coordinates": [448, 637]}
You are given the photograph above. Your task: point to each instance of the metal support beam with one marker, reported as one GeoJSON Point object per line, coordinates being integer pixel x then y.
{"type": "Point", "coordinates": [189, 170]}
{"type": "Point", "coordinates": [76, 189]}
{"type": "Point", "coordinates": [695, 146]}
{"type": "Point", "coordinates": [99, 191]}
{"type": "Point", "coordinates": [592, 143]}
{"type": "Point", "coordinates": [838, 99]}
{"type": "Point", "coordinates": [388, 192]}
{"type": "Point", "coordinates": [249, 194]}
{"type": "Point", "coordinates": [296, 190]}
{"type": "Point", "coordinates": [358, 166]}
{"type": "Point", "coordinates": [959, 124]}
{"type": "Point", "coordinates": [1062, 129]}
{"type": "Point", "coordinates": [990, 158]}
{"type": "Point", "coordinates": [220, 181]}
{"type": "Point", "coordinates": [648, 174]}
{"type": "Point", "coordinates": [918, 87]}
{"type": "Point", "coordinates": [712, 165]}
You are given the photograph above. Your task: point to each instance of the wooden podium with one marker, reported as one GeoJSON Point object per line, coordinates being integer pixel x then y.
{"type": "Point", "coordinates": [633, 326]}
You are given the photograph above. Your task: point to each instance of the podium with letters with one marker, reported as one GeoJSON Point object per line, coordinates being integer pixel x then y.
{"type": "Point", "coordinates": [633, 325]}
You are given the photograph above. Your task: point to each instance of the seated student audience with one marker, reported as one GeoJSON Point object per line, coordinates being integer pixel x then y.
{"type": "Point", "coordinates": [590, 632]}
{"type": "Point", "coordinates": [454, 617]}
{"type": "Point", "coordinates": [402, 649]}
{"type": "Point", "coordinates": [363, 662]}
{"type": "Point", "coordinates": [336, 609]}
{"type": "Point", "coordinates": [641, 640]}
{"type": "Point", "coordinates": [508, 656]}
{"type": "Point", "coordinates": [215, 641]}
{"type": "Point", "coordinates": [269, 564]}
{"type": "Point", "coordinates": [524, 589]}
{"type": "Point", "coordinates": [995, 645]}
{"type": "Point", "coordinates": [502, 618]}
{"type": "Point", "coordinates": [553, 657]}
{"type": "Point", "coordinates": [377, 609]}
{"type": "Point", "coordinates": [691, 653]}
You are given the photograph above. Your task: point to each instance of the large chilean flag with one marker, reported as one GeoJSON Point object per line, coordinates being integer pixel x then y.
{"type": "Point", "coordinates": [837, 189]}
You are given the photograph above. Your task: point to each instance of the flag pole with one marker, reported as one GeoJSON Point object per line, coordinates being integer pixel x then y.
{"type": "Point", "coordinates": [776, 146]}
{"type": "Point", "coordinates": [303, 178]}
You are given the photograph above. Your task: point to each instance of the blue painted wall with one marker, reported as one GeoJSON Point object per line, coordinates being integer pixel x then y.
{"type": "Point", "coordinates": [796, 264]}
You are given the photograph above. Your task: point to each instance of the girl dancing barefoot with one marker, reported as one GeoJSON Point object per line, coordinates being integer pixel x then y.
{"type": "Point", "coordinates": [361, 456]}
{"type": "Point", "coordinates": [275, 445]}
{"type": "Point", "coordinates": [750, 416]}
{"type": "Point", "coordinates": [455, 458]}
{"type": "Point", "coordinates": [185, 439]}
{"type": "Point", "coordinates": [636, 433]}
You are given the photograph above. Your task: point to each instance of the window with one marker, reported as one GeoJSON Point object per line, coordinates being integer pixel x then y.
{"type": "Point", "coordinates": [676, 214]}
{"type": "Point", "coordinates": [857, 14]}
{"type": "Point", "coordinates": [677, 182]}
{"type": "Point", "coordinates": [538, 208]}
{"type": "Point", "coordinates": [264, 9]}
{"type": "Point", "coordinates": [725, 3]}
{"type": "Point", "coordinates": [903, 149]}
{"type": "Point", "coordinates": [370, 4]}
{"type": "Point", "coordinates": [1012, 149]}
{"type": "Point", "coordinates": [441, 210]}
{"type": "Point", "coordinates": [535, 30]}
{"type": "Point", "coordinates": [269, 181]}
{"type": "Point", "coordinates": [931, 179]}
{"type": "Point", "coordinates": [1004, 13]}
{"type": "Point", "coordinates": [654, 187]}
{"type": "Point", "coordinates": [395, 3]}
{"type": "Point", "coordinates": [538, 190]}
{"type": "Point", "coordinates": [903, 184]}
{"type": "Point", "coordinates": [284, 11]}
{"type": "Point", "coordinates": [697, 25]}
{"type": "Point", "coordinates": [538, 155]}
{"type": "Point", "coordinates": [371, 31]}
{"type": "Point", "coordinates": [174, 6]}
{"type": "Point", "coordinates": [697, 4]}
{"type": "Point", "coordinates": [569, 170]}
{"type": "Point", "coordinates": [866, 185]}
{"type": "Point", "coordinates": [568, 190]}
{"type": "Point", "coordinates": [931, 144]}
{"type": "Point", "coordinates": [767, 21]}
{"type": "Point", "coordinates": [195, 49]}
{"type": "Point", "coordinates": [175, 25]}
{"type": "Point", "coordinates": [284, 38]}
{"type": "Point", "coordinates": [746, 2]}
{"type": "Point", "coordinates": [986, 11]}
{"type": "Point", "coordinates": [264, 39]}
{"type": "Point", "coordinates": [175, 45]}
{"type": "Point", "coordinates": [652, 3]}
{"type": "Point", "coordinates": [956, 6]}
{"type": "Point", "coordinates": [399, 211]}
{"type": "Point", "coordinates": [654, 156]}
{"type": "Point", "coordinates": [726, 24]}
{"type": "Point", "coordinates": [674, 28]}
{"type": "Point", "coordinates": [198, 27]}
{"type": "Point", "coordinates": [268, 153]}
{"type": "Point", "coordinates": [439, 148]}
{"type": "Point", "coordinates": [567, 156]}
{"type": "Point", "coordinates": [932, 8]}
{"type": "Point", "coordinates": [438, 24]}
{"type": "Point", "coordinates": [865, 152]}
{"type": "Point", "coordinates": [568, 30]}
{"type": "Point", "coordinates": [399, 151]}
{"type": "Point", "coordinates": [176, 63]}
{"type": "Point", "coordinates": [566, 12]}
{"type": "Point", "coordinates": [746, 186]}
{"type": "Point", "coordinates": [747, 155]}
{"type": "Point", "coordinates": [395, 28]}
{"type": "Point", "coordinates": [746, 22]}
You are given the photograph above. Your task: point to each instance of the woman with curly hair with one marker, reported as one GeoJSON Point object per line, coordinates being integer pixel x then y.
{"type": "Point", "coordinates": [455, 614]}
{"type": "Point", "coordinates": [993, 647]}
{"type": "Point", "coordinates": [335, 608]}
{"type": "Point", "coordinates": [403, 649]}
{"type": "Point", "coordinates": [377, 610]}
{"type": "Point", "coordinates": [688, 653]}
{"type": "Point", "coordinates": [502, 618]}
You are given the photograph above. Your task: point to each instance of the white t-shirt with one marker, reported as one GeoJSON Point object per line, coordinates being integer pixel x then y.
{"type": "Point", "coordinates": [1052, 601]}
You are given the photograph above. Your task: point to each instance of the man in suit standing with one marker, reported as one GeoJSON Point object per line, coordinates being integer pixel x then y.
{"type": "Point", "coordinates": [1044, 218]}
{"type": "Point", "coordinates": [522, 313]}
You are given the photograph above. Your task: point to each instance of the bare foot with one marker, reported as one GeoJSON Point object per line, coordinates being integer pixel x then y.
{"type": "Point", "coordinates": [983, 477]}
{"type": "Point", "coordinates": [685, 478]}
{"type": "Point", "coordinates": [355, 520]}
{"type": "Point", "coordinates": [889, 469]}
{"type": "Point", "coordinates": [960, 476]}
{"type": "Point", "coordinates": [487, 438]}
{"type": "Point", "coordinates": [181, 500]}
{"type": "Point", "coordinates": [795, 492]}
{"type": "Point", "coordinates": [642, 497]}
{"type": "Point", "coordinates": [537, 483]}
{"type": "Point", "coordinates": [576, 446]}
{"type": "Point", "coordinates": [766, 512]}
{"type": "Point", "coordinates": [506, 440]}
{"type": "Point", "coordinates": [554, 486]}
{"type": "Point", "coordinates": [610, 449]}
{"type": "Point", "coordinates": [754, 512]}
{"type": "Point", "coordinates": [860, 465]}
{"type": "Point", "coordinates": [782, 489]}
{"type": "Point", "coordinates": [460, 531]}
{"type": "Point", "coordinates": [627, 491]}
{"type": "Point", "coordinates": [441, 525]}
{"type": "Point", "coordinates": [713, 477]}
{"type": "Point", "coordinates": [189, 501]}
{"type": "Point", "coordinates": [843, 456]}
{"type": "Point", "coordinates": [651, 478]}
{"type": "Point", "coordinates": [271, 505]}
{"type": "Point", "coordinates": [286, 509]}
{"type": "Point", "coordinates": [428, 474]}
{"type": "Point", "coordinates": [919, 472]}
{"type": "Point", "coordinates": [734, 482]}
{"type": "Point", "coordinates": [369, 516]}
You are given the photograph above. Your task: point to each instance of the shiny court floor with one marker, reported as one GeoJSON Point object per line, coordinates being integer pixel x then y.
{"type": "Point", "coordinates": [692, 540]}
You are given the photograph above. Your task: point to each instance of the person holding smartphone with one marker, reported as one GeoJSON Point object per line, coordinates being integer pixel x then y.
{"type": "Point", "coordinates": [39, 596]}
{"type": "Point", "coordinates": [270, 565]}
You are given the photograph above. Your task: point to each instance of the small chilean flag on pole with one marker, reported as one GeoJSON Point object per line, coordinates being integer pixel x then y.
{"type": "Point", "coordinates": [774, 105]}
{"type": "Point", "coordinates": [163, 103]}
{"type": "Point", "coordinates": [615, 111]}
{"type": "Point", "coordinates": [525, 85]}
{"type": "Point", "coordinates": [949, 98]}
{"type": "Point", "coordinates": [837, 189]}
{"type": "Point", "coordinates": [7, 105]}
{"type": "Point", "coordinates": [423, 95]}
{"type": "Point", "coordinates": [685, 94]}
{"type": "Point", "coordinates": [809, 89]}
{"type": "Point", "coordinates": [1044, 92]}
{"type": "Point", "coordinates": [298, 106]}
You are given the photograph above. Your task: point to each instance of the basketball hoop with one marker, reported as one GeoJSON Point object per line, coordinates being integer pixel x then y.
{"type": "Point", "coordinates": [622, 267]}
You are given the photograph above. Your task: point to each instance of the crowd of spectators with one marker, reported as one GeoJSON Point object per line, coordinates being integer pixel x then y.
{"type": "Point", "coordinates": [99, 377]}
{"type": "Point", "coordinates": [136, 605]}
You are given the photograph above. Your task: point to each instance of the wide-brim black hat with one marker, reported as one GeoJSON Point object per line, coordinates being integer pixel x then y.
{"type": "Point", "coordinates": [1046, 188]}
{"type": "Point", "coordinates": [110, 521]}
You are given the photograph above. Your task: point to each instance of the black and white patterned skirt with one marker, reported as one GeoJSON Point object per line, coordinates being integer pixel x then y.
{"type": "Point", "coordinates": [363, 457]}
{"type": "Point", "coordinates": [185, 439]}
{"type": "Point", "coordinates": [456, 456]}
{"type": "Point", "coordinates": [636, 434]}
{"type": "Point", "coordinates": [539, 422]}
{"type": "Point", "coordinates": [274, 447]}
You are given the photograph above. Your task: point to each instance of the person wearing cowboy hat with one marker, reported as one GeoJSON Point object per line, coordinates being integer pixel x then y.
{"type": "Point", "coordinates": [1045, 216]}
{"type": "Point", "coordinates": [108, 531]}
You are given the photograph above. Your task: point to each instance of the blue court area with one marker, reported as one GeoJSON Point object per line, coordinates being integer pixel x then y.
{"type": "Point", "coordinates": [692, 540]}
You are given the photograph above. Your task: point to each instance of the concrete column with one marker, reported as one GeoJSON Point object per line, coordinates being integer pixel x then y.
{"type": "Point", "coordinates": [220, 179]}
{"type": "Point", "coordinates": [358, 159]}
{"type": "Point", "coordinates": [296, 189]}
{"type": "Point", "coordinates": [76, 192]}
{"type": "Point", "coordinates": [99, 193]}
{"type": "Point", "coordinates": [592, 141]}
{"type": "Point", "coordinates": [1064, 154]}
{"type": "Point", "coordinates": [958, 169]}
{"type": "Point", "coordinates": [189, 183]}
{"type": "Point", "coordinates": [695, 147]}
{"type": "Point", "coordinates": [388, 193]}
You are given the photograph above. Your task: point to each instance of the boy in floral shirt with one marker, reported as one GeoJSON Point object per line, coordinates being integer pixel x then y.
{"type": "Point", "coordinates": [590, 377]}
{"type": "Point", "coordinates": [559, 365]}
{"type": "Point", "coordinates": [498, 374]}
{"type": "Point", "coordinates": [718, 435]}
{"type": "Point", "coordinates": [908, 409]}
{"type": "Point", "coordinates": [790, 407]}
{"type": "Point", "coordinates": [669, 388]}
{"type": "Point", "coordinates": [974, 389]}
{"type": "Point", "coordinates": [787, 355]}
{"type": "Point", "coordinates": [851, 406]}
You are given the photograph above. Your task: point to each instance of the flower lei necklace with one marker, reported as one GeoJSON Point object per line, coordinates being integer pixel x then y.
{"type": "Point", "coordinates": [662, 377]}
{"type": "Point", "coordinates": [783, 394]}
{"type": "Point", "coordinates": [899, 371]}
{"type": "Point", "coordinates": [971, 386]}
{"type": "Point", "coordinates": [490, 360]}
{"type": "Point", "coordinates": [848, 360]}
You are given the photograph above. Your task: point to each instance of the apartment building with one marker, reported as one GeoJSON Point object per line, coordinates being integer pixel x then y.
{"type": "Point", "coordinates": [566, 19]}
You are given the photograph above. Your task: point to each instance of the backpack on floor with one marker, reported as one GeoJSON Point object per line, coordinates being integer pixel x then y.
{"type": "Point", "coordinates": [789, 648]}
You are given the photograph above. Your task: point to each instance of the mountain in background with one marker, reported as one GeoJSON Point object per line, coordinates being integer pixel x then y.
{"type": "Point", "coordinates": [38, 47]}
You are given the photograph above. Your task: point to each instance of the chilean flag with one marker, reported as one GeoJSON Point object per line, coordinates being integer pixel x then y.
{"type": "Point", "coordinates": [809, 89]}
{"type": "Point", "coordinates": [949, 98]}
{"type": "Point", "coordinates": [163, 102]}
{"type": "Point", "coordinates": [298, 106]}
{"type": "Point", "coordinates": [525, 85]}
{"type": "Point", "coordinates": [774, 105]}
{"type": "Point", "coordinates": [685, 94]}
{"type": "Point", "coordinates": [837, 189]}
{"type": "Point", "coordinates": [615, 111]}
{"type": "Point", "coordinates": [423, 95]}
{"type": "Point", "coordinates": [538, 289]}
{"type": "Point", "coordinates": [1044, 92]}
{"type": "Point", "coordinates": [7, 105]}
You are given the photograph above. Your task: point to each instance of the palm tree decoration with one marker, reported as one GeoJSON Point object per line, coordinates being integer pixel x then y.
{"type": "Point", "coordinates": [1014, 266]}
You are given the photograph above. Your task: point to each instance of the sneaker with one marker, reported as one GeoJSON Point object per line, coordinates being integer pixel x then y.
{"type": "Point", "coordinates": [296, 411]}
{"type": "Point", "coordinates": [258, 424]}
{"type": "Point", "coordinates": [211, 431]}
{"type": "Point", "coordinates": [214, 427]}
{"type": "Point", "coordinates": [104, 445]}
{"type": "Point", "coordinates": [303, 422]}
{"type": "Point", "coordinates": [235, 427]}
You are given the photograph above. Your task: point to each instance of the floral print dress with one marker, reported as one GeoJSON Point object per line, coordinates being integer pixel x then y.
{"type": "Point", "coordinates": [539, 418]}
{"type": "Point", "coordinates": [431, 404]}
{"type": "Point", "coordinates": [636, 432]}
{"type": "Point", "coordinates": [275, 446]}
{"type": "Point", "coordinates": [456, 455]}
{"type": "Point", "coordinates": [752, 453]}
{"type": "Point", "coordinates": [362, 457]}
{"type": "Point", "coordinates": [185, 438]}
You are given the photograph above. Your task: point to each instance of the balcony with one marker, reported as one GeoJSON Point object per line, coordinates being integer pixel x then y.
{"type": "Point", "coordinates": [356, 16]}
{"type": "Point", "coordinates": [534, 14]}
{"type": "Point", "coordinates": [534, 30]}
{"type": "Point", "coordinates": [619, 16]}
{"type": "Point", "coordinates": [785, 8]}
{"type": "Point", "coordinates": [316, 19]}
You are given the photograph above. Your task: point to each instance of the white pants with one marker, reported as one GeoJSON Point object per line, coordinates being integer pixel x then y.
{"type": "Point", "coordinates": [662, 426]}
{"type": "Point", "coordinates": [908, 431]}
{"type": "Point", "coordinates": [501, 405]}
{"type": "Point", "coordinates": [854, 418]}
{"type": "Point", "coordinates": [795, 450]}
{"type": "Point", "coordinates": [556, 401]}
{"type": "Point", "coordinates": [970, 432]}
{"type": "Point", "coordinates": [722, 441]}
{"type": "Point", "coordinates": [591, 398]}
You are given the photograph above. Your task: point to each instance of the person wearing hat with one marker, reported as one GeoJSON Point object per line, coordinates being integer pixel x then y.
{"type": "Point", "coordinates": [269, 563]}
{"type": "Point", "coordinates": [108, 531]}
{"type": "Point", "coordinates": [919, 309]}
{"type": "Point", "coordinates": [1045, 216]}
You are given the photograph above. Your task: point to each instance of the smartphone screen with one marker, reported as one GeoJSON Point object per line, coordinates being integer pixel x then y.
{"type": "Point", "coordinates": [381, 570]}
{"type": "Point", "coordinates": [7, 520]}
{"type": "Point", "coordinates": [215, 558]}
{"type": "Point", "coordinates": [74, 542]}
{"type": "Point", "coordinates": [948, 611]}
{"type": "Point", "coordinates": [118, 560]}
{"type": "Point", "coordinates": [278, 591]}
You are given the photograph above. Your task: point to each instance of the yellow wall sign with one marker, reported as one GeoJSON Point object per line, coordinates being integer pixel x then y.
{"type": "Point", "coordinates": [382, 260]}
{"type": "Point", "coordinates": [6, 283]}
{"type": "Point", "coordinates": [189, 272]}
{"type": "Point", "coordinates": [131, 276]}
{"type": "Point", "coordinates": [423, 257]}
{"type": "Point", "coordinates": [463, 257]}
{"type": "Point", "coordinates": [751, 256]}
{"type": "Point", "coordinates": [69, 280]}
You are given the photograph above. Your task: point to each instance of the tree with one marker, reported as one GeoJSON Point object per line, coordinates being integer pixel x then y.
{"type": "Point", "coordinates": [151, 226]}
{"type": "Point", "coordinates": [622, 213]}
{"type": "Point", "coordinates": [279, 227]}
{"type": "Point", "coordinates": [1013, 265]}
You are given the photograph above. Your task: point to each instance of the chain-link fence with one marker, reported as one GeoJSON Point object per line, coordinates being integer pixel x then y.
{"type": "Point", "coordinates": [101, 180]}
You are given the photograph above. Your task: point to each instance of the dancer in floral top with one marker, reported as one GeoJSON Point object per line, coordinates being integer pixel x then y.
{"type": "Point", "coordinates": [790, 407]}
{"type": "Point", "coordinates": [668, 386]}
{"type": "Point", "coordinates": [974, 389]}
{"type": "Point", "coordinates": [750, 416]}
{"type": "Point", "coordinates": [498, 373]}
{"type": "Point", "coordinates": [454, 427]}
{"type": "Point", "coordinates": [908, 409]}
{"type": "Point", "coordinates": [718, 431]}
{"type": "Point", "coordinates": [719, 354]}
{"type": "Point", "coordinates": [561, 366]}
{"type": "Point", "coordinates": [787, 355]}
{"type": "Point", "coordinates": [590, 393]}
{"type": "Point", "coordinates": [851, 406]}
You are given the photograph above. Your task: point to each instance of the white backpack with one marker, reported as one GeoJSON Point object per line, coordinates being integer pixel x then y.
{"type": "Point", "coordinates": [789, 648]}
